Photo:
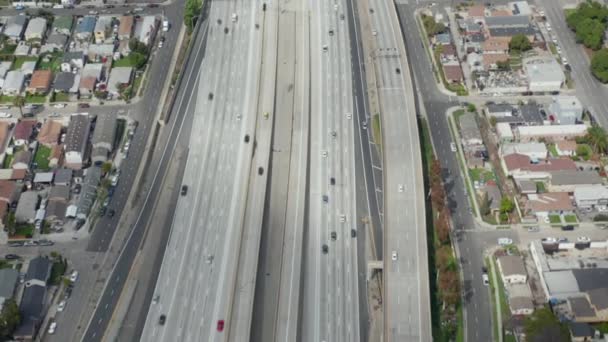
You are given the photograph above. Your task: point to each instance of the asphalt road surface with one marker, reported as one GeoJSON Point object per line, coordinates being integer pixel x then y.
{"type": "Point", "coordinates": [196, 281]}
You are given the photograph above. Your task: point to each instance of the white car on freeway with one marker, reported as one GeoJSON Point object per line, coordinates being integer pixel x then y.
{"type": "Point", "coordinates": [394, 256]}
{"type": "Point", "coordinates": [453, 147]}
{"type": "Point", "coordinates": [61, 306]}
{"type": "Point", "coordinates": [504, 241]}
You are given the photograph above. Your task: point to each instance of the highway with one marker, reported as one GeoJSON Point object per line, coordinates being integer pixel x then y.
{"type": "Point", "coordinates": [196, 281]}
{"type": "Point", "coordinates": [407, 314]}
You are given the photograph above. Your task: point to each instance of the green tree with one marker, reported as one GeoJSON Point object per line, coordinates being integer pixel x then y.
{"type": "Point", "coordinates": [599, 65]}
{"type": "Point", "coordinates": [598, 139]}
{"type": "Point", "coordinates": [106, 167]}
{"type": "Point", "coordinates": [9, 319]}
{"type": "Point", "coordinates": [137, 59]}
{"type": "Point", "coordinates": [191, 13]}
{"type": "Point", "coordinates": [542, 325]}
{"type": "Point", "coordinates": [520, 43]}
{"type": "Point", "coordinates": [590, 33]}
{"type": "Point", "coordinates": [19, 101]}
{"type": "Point", "coordinates": [506, 205]}
{"type": "Point", "coordinates": [136, 46]}
{"type": "Point", "coordinates": [503, 65]}
{"type": "Point", "coordinates": [431, 26]}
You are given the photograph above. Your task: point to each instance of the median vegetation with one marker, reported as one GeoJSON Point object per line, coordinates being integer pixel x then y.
{"type": "Point", "coordinates": [444, 274]}
{"type": "Point", "coordinates": [191, 13]}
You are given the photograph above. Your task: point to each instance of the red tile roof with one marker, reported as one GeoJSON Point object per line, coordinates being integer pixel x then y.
{"type": "Point", "coordinates": [448, 50]}
{"type": "Point", "coordinates": [7, 190]}
{"type": "Point", "coordinates": [453, 73]}
{"type": "Point", "coordinates": [41, 80]}
{"type": "Point", "coordinates": [566, 145]}
{"type": "Point", "coordinates": [552, 201]}
{"type": "Point", "coordinates": [516, 161]}
{"type": "Point", "coordinates": [24, 129]}
{"type": "Point", "coordinates": [477, 11]}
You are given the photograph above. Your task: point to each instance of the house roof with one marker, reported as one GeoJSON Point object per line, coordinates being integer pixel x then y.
{"type": "Point", "coordinates": [59, 192]}
{"type": "Point", "coordinates": [89, 190]}
{"type": "Point", "coordinates": [500, 108]}
{"type": "Point", "coordinates": [468, 127]}
{"type": "Point", "coordinates": [443, 38]}
{"type": "Point", "coordinates": [575, 177]}
{"type": "Point", "coordinates": [543, 70]}
{"type": "Point", "coordinates": [448, 50]}
{"type": "Point", "coordinates": [522, 162]}
{"type": "Point", "coordinates": [50, 131]}
{"type": "Point", "coordinates": [43, 177]}
{"type": "Point", "coordinates": [105, 128]}
{"type": "Point", "coordinates": [92, 69]}
{"type": "Point", "coordinates": [511, 31]}
{"type": "Point", "coordinates": [581, 330]}
{"type": "Point", "coordinates": [86, 24]}
{"type": "Point", "coordinates": [507, 21]}
{"type": "Point", "coordinates": [103, 23]}
{"type": "Point", "coordinates": [119, 75]}
{"type": "Point", "coordinates": [41, 79]}
{"type": "Point", "coordinates": [36, 27]}
{"type": "Point", "coordinates": [14, 26]}
{"type": "Point", "coordinates": [88, 82]}
{"type": "Point", "coordinates": [56, 152]}
{"type": "Point", "coordinates": [524, 148]}
{"type": "Point", "coordinates": [7, 189]}
{"type": "Point", "coordinates": [590, 192]}
{"type": "Point", "coordinates": [566, 145]}
{"type": "Point", "coordinates": [8, 281]}
{"type": "Point", "coordinates": [550, 130]}
{"type": "Point", "coordinates": [64, 81]}
{"type": "Point", "coordinates": [39, 269]}
{"type": "Point", "coordinates": [77, 132]}
{"type": "Point", "coordinates": [477, 37]}
{"type": "Point", "coordinates": [18, 174]}
{"type": "Point", "coordinates": [476, 11]}
{"type": "Point", "coordinates": [551, 201]}
{"type": "Point", "coordinates": [72, 55]}
{"type": "Point", "coordinates": [28, 67]}
{"type": "Point", "coordinates": [453, 72]}
{"type": "Point", "coordinates": [521, 303]}
{"type": "Point", "coordinates": [599, 297]}
{"type": "Point", "coordinates": [494, 44]}
{"type": "Point", "coordinates": [494, 195]}
{"type": "Point", "coordinates": [57, 39]}
{"type": "Point", "coordinates": [512, 265]}
{"type": "Point", "coordinates": [126, 26]}
{"type": "Point", "coordinates": [63, 176]}
{"type": "Point", "coordinates": [580, 307]}
{"type": "Point", "coordinates": [32, 304]}
{"type": "Point", "coordinates": [24, 129]}
{"type": "Point", "coordinates": [14, 80]}
{"type": "Point", "coordinates": [56, 209]}
{"type": "Point", "coordinates": [530, 112]}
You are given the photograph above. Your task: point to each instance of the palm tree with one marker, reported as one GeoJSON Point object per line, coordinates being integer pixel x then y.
{"type": "Point", "coordinates": [597, 137]}
{"type": "Point", "coordinates": [19, 101]}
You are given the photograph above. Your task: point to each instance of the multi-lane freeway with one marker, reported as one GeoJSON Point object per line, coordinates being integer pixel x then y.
{"type": "Point", "coordinates": [195, 287]}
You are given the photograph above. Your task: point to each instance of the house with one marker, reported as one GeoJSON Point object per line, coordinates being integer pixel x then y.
{"type": "Point", "coordinates": [512, 269]}
{"type": "Point", "coordinates": [62, 24]}
{"type": "Point", "coordinates": [36, 29]}
{"type": "Point", "coordinates": [64, 82]}
{"type": "Point", "coordinates": [13, 83]}
{"type": "Point", "coordinates": [40, 82]}
{"type": "Point", "coordinates": [59, 193]}
{"type": "Point", "coordinates": [520, 8]}
{"type": "Point", "coordinates": [493, 194]}
{"type": "Point", "coordinates": [550, 203]}
{"type": "Point", "coordinates": [9, 192]}
{"type": "Point", "coordinates": [85, 27]}
{"type": "Point", "coordinates": [549, 132]}
{"type": "Point", "coordinates": [99, 52]}
{"type": "Point", "coordinates": [76, 140]}
{"type": "Point", "coordinates": [443, 38]}
{"type": "Point", "coordinates": [469, 130]}
{"type": "Point", "coordinates": [88, 192]}
{"type": "Point", "coordinates": [54, 42]}
{"type": "Point", "coordinates": [475, 62]}
{"type": "Point", "coordinates": [91, 74]}
{"type": "Point", "coordinates": [544, 74]}
{"type": "Point", "coordinates": [534, 150]}
{"type": "Point", "coordinates": [28, 68]}
{"type": "Point", "coordinates": [56, 157]}
{"type": "Point", "coordinates": [453, 72]}
{"type": "Point", "coordinates": [145, 29]}
{"type": "Point", "coordinates": [26, 207]}
{"type": "Point", "coordinates": [125, 29]}
{"type": "Point", "coordinates": [520, 166]}
{"type": "Point", "coordinates": [5, 67]}
{"type": "Point", "coordinates": [104, 136]}
{"type": "Point", "coordinates": [56, 212]}
{"type": "Point", "coordinates": [565, 110]}
{"type": "Point", "coordinates": [5, 129]}
{"type": "Point", "coordinates": [33, 302]}
{"type": "Point", "coordinates": [120, 76]}
{"type": "Point", "coordinates": [581, 332]}
{"type": "Point", "coordinates": [43, 178]}
{"type": "Point", "coordinates": [507, 21]}
{"type": "Point", "coordinates": [499, 110]}
{"type": "Point", "coordinates": [50, 132]}
{"type": "Point", "coordinates": [63, 177]}
{"type": "Point", "coordinates": [103, 29]}
{"type": "Point", "coordinates": [504, 132]}
{"type": "Point", "coordinates": [569, 180]}
{"type": "Point", "coordinates": [472, 27]}
{"type": "Point", "coordinates": [590, 197]}
{"type": "Point", "coordinates": [23, 132]}
{"type": "Point", "coordinates": [566, 148]}
{"type": "Point", "coordinates": [448, 52]}
{"type": "Point", "coordinates": [598, 297]}
{"type": "Point", "coordinates": [495, 46]}
{"type": "Point", "coordinates": [520, 299]}
{"type": "Point", "coordinates": [73, 60]}
{"type": "Point", "coordinates": [8, 283]}
{"type": "Point", "coordinates": [22, 160]}
{"type": "Point", "coordinates": [476, 12]}
{"type": "Point", "coordinates": [14, 27]}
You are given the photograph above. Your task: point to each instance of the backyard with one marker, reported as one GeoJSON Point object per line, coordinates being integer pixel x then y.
{"type": "Point", "coordinates": [42, 157]}
{"type": "Point", "coordinates": [18, 63]}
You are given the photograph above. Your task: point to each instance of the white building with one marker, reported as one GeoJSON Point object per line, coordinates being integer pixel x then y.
{"type": "Point", "coordinates": [544, 74]}
{"type": "Point", "coordinates": [566, 110]}
{"type": "Point", "coordinates": [504, 132]}
{"type": "Point", "coordinates": [13, 83]}
{"type": "Point", "coordinates": [512, 269]}
{"type": "Point", "coordinates": [549, 132]}
{"type": "Point", "coordinates": [589, 197]}
{"type": "Point", "coordinates": [535, 150]}
{"type": "Point", "coordinates": [35, 29]}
